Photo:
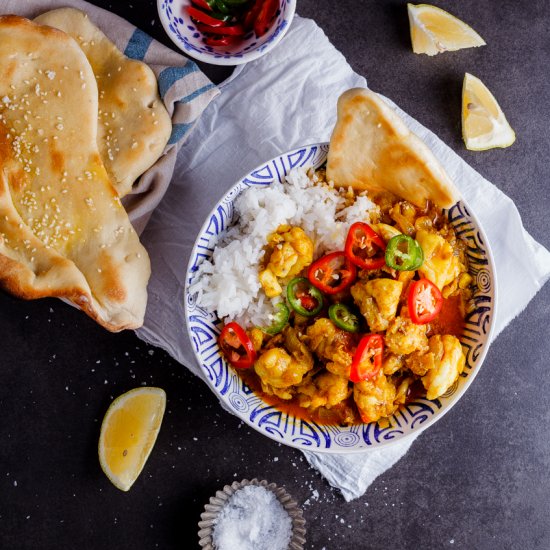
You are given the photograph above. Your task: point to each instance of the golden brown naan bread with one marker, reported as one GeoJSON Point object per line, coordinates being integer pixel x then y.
{"type": "Point", "coordinates": [372, 149]}
{"type": "Point", "coordinates": [63, 230]}
{"type": "Point", "coordinates": [134, 125]}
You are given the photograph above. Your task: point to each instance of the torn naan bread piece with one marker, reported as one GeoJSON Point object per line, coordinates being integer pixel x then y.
{"type": "Point", "coordinates": [372, 149]}
{"type": "Point", "coordinates": [134, 126]}
{"type": "Point", "coordinates": [63, 230]}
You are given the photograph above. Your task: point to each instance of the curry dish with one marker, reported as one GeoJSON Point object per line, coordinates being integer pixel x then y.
{"type": "Point", "coordinates": [362, 331]}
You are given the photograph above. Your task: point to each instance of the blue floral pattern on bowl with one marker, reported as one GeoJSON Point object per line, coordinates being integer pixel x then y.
{"type": "Point", "coordinates": [204, 326]}
{"type": "Point", "coordinates": [184, 33]}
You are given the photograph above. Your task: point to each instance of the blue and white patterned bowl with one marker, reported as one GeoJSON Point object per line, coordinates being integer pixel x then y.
{"type": "Point", "coordinates": [183, 32]}
{"type": "Point", "coordinates": [204, 326]}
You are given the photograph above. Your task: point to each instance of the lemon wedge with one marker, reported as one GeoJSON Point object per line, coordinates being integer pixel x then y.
{"type": "Point", "coordinates": [128, 433]}
{"type": "Point", "coordinates": [484, 125]}
{"type": "Point", "coordinates": [434, 31]}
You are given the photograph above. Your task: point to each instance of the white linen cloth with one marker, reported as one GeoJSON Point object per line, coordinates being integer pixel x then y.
{"type": "Point", "coordinates": [281, 101]}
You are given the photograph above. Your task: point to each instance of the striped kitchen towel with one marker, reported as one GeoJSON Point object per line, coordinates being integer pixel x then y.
{"type": "Point", "coordinates": [184, 89]}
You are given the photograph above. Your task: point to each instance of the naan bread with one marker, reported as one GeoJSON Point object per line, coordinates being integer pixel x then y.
{"type": "Point", "coordinates": [372, 149]}
{"type": "Point", "coordinates": [134, 125]}
{"type": "Point", "coordinates": [63, 230]}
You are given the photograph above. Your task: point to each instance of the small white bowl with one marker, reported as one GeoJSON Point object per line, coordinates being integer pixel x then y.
{"type": "Point", "coordinates": [183, 32]}
{"type": "Point", "coordinates": [212, 510]}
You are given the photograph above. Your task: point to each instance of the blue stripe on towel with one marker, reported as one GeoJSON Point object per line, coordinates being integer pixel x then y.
{"type": "Point", "coordinates": [138, 45]}
{"type": "Point", "coordinates": [196, 93]}
{"type": "Point", "coordinates": [170, 75]}
{"type": "Point", "coordinates": [178, 131]}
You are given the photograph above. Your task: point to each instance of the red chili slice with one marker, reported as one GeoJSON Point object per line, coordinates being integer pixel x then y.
{"type": "Point", "coordinates": [364, 247]}
{"type": "Point", "coordinates": [220, 40]}
{"type": "Point", "coordinates": [251, 15]}
{"type": "Point", "coordinates": [265, 17]}
{"type": "Point", "coordinates": [306, 301]}
{"type": "Point", "coordinates": [424, 301]}
{"type": "Point", "coordinates": [202, 17]}
{"type": "Point", "coordinates": [233, 30]}
{"type": "Point", "coordinates": [367, 360]}
{"type": "Point", "coordinates": [332, 273]}
{"type": "Point", "coordinates": [237, 346]}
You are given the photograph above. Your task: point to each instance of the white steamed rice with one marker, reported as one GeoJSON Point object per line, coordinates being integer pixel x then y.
{"type": "Point", "coordinates": [228, 283]}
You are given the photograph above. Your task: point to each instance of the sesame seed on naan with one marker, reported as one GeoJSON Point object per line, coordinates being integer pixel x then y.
{"type": "Point", "coordinates": [134, 125]}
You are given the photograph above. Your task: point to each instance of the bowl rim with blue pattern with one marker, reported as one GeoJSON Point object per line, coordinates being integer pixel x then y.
{"type": "Point", "coordinates": [203, 328]}
{"type": "Point", "coordinates": [184, 34]}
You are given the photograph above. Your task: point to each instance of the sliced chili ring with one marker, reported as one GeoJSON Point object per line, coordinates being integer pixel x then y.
{"type": "Point", "coordinates": [332, 273]}
{"type": "Point", "coordinates": [424, 301]}
{"type": "Point", "coordinates": [365, 247]}
{"type": "Point", "coordinates": [265, 16]}
{"type": "Point", "coordinates": [237, 346]}
{"type": "Point", "coordinates": [367, 360]}
{"type": "Point", "coordinates": [404, 253]}
{"type": "Point", "coordinates": [221, 40]}
{"type": "Point", "coordinates": [303, 297]}
{"type": "Point", "coordinates": [280, 319]}
{"type": "Point", "coordinates": [252, 14]}
{"type": "Point", "coordinates": [343, 317]}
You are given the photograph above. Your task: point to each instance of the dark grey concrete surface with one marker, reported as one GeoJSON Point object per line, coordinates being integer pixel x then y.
{"type": "Point", "coordinates": [478, 479]}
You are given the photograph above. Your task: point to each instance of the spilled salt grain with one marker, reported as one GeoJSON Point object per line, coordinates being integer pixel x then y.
{"type": "Point", "coordinates": [252, 519]}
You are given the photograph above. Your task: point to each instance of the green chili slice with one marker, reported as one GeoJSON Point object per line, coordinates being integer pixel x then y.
{"type": "Point", "coordinates": [303, 297]}
{"type": "Point", "coordinates": [280, 320]}
{"type": "Point", "coordinates": [221, 16]}
{"type": "Point", "coordinates": [343, 318]}
{"type": "Point", "coordinates": [221, 6]}
{"type": "Point", "coordinates": [404, 253]}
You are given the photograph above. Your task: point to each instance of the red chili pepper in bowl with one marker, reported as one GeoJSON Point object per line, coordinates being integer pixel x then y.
{"type": "Point", "coordinates": [364, 247]}
{"type": "Point", "coordinates": [424, 301]}
{"type": "Point", "coordinates": [232, 30]}
{"type": "Point", "coordinates": [265, 17]}
{"type": "Point", "coordinates": [237, 346]}
{"type": "Point", "coordinates": [220, 19]}
{"type": "Point", "coordinates": [332, 273]}
{"type": "Point", "coordinates": [221, 40]}
{"type": "Point", "coordinates": [367, 360]}
{"type": "Point", "coordinates": [252, 14]}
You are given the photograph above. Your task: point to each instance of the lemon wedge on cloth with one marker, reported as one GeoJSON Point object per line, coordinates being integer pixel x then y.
{"type": "Point", "coordinates": [128, 433]}
{"type": "Point", "coordinates": [434, 31]}
{"type": "Point", "coordinates": [484, 125]}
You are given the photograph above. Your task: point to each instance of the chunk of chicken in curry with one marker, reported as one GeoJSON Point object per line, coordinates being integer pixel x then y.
{"type": "Point", "coordinates": [289, 250]}
{"type": "Point", "coordinates": [331, 345]}
{"type": "Point", "coordinates": [378, 300]}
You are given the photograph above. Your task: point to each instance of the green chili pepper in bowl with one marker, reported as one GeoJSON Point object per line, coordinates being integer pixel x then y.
{"type": "Point", "coordinates": [404, 253]}
{"type": "Point", "coordinates": [303, 297]}
{"type": "Point", "coordinates": [280, 320]}
{"type": "Point", "coordinates": [343, 317]}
